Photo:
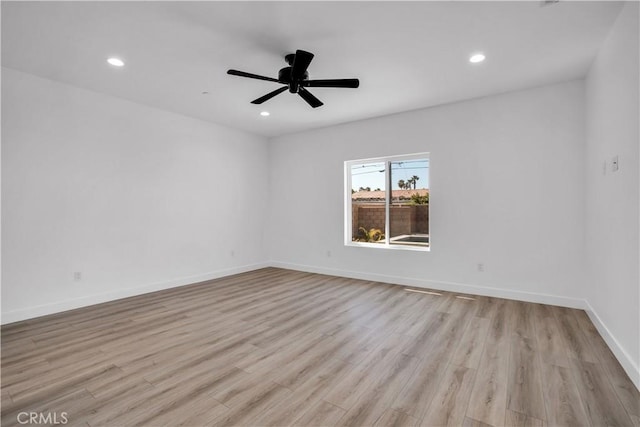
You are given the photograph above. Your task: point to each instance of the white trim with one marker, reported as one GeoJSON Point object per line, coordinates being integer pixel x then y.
{"type": "Point", "coordinates": [57, 307]}
{"type": "Point", "coordinates": [462, 288]}
{"type": "Point", "coordinates": [348, 217]}
{"type": "Point", "coordinates": [393, 157]}
{"type": "Point", "coordinates": [628, 364]}
{"type": "Point", "coordinates": [393, 247]}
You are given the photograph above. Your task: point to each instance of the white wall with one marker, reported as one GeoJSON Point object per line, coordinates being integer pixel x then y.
{"type": "Point", "coordinates": [612, 198]}
{"type": "Point", "coordinates": [507, 190]}
{"type": "Point", "coordinates": [135, 198]}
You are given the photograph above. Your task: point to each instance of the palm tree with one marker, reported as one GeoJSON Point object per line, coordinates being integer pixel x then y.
{"type": "Point", "coordinates": [401, 184]}
{"type": "Point", "coordinates": [414, 180]}
{"type": "Point", "coordinates": [410, 181]}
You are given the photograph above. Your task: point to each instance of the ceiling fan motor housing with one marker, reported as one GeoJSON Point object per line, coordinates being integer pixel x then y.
{"type": "Point", "coordinates": [284, 76]}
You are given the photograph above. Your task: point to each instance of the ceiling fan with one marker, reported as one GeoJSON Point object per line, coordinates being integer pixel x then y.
{"type": "Point", "coordinates": [296, 78]}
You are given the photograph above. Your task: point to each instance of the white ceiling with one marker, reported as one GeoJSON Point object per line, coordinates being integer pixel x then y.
{"type": "Point", "coordinates": [407, 55]}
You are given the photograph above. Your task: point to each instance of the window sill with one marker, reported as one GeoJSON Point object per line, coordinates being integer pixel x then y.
{"type": "Point", "coordinates": [396, 247]}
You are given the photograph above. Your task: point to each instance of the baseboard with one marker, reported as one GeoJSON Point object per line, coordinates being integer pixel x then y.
{"type": "Point", "coordinates": [628, 364]}
{"type": "Point", "coordinates": [441, 286]}
{"type": "Point", "coordinates": [60, 306]}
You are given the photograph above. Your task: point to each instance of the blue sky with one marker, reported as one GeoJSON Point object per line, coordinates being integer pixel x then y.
{"type": "Point", "coordinates": [372, 174]}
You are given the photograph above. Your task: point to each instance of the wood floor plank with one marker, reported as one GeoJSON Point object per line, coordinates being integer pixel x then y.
{"type": "Point", "coordinates": [419, 346]}
{"type": "Point", "coordinates": [516, 419]}
{"type": "Point", "coordinates": [183, 406]}
{"type": "Point", "coordinates": [310, 364]}
{"type": "Point", "coordinates": [600, 400]}
{"type": "Point", "coordinates": [470, 349]}
{"type": "Point", "coordinates": [21, 372]}
{"type": "Point", "coordinates": [279, 353]}
{"type": "Point", "coordinates": [59, 382]}
{"type": "Point", "coordinates": [383, 391]}
{"type": "Point", "coordinates": [152, 405]}
{"type": "Point", "coordinates": [576, 344]}
{"type": "Point", "coordinates": [624, 388]}
{"type": "Point", "coordinates": [412, 324]}
{"type": "Point", "coordinates": [210, 382]}
{"type": "Point", "coordinates": [363, 345]}
{"type": "Point", "coordinates": [253, 404]}
{"type": "Point", "coordinates": [563, 403]}
{"type": "Point", "coordinates": [6, 399]}
{"type": "Point", "coordinates": [470, 422]}
{"type": "Point", "coordinates": [357, 381]}
{"type": "Point", "coordinates": [308, 393]}
{"type": "Point", "coordinates": [415, 398]}
{"type": "Point", "coordinates": [136, 400]}
{"type": "Point", "coordinates": [449, 405]}
{"type": "Point", "coordinates": [550, 345]}
{"type": "Point", "coordinates": [116, 387]}
{"type": "Point", "coordinates": [273, 347]}
{"type": "Point", "coordinates": [487, 307]}
{"type": "Point", "coordinates": [203, 415]}
{"type": "Point", "coordinates": [525, 376]}
{"type": "Point", "coordinates": [488, 402]}
{"type": "Point", "coordinates": [393, 418]}
{"type": "Point", "coordinates": [444, 338]}
{"type": "Point", "coordinates": [218, 357]}
{"type": "Point", "coordinates": [320, 414]}
{"type": "Point", "coordinates": [524, 389]}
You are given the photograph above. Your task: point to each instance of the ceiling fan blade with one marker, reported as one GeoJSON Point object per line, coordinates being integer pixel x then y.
{"type": "Point", "coordinates": [349, 83]}
{"type": "Point", "coordinates": [269, 95]}
{"type": "Point", "coordinates": [251, 76]}
{"type": "Point", "coordinates": [307, 96]}
{"type": "Point", "coordinates": [300, 64]}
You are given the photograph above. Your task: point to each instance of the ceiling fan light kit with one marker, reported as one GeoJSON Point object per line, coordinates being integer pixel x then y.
{"type": "Point", "coordinates": [295, 77]}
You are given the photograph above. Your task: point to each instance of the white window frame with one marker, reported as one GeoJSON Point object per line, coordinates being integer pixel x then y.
{"type": "Point", "coordinates": [348, 216]}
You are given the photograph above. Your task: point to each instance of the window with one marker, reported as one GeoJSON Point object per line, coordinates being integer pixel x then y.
{"type": "Point", "coordinates": [387, 202]}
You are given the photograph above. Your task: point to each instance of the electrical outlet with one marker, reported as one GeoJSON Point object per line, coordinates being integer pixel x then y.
{"type": "Point", "coordinates": [480, 267]}
{"type": "Point", "coordinates": [77, 276]}
{"type": "Point", "coordinates": [614, 164]}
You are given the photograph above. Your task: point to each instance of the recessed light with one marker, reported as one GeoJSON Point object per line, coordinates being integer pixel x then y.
{"type": "Point", "coordinates": [265, 113]}
{"type": "Point", "coordinates": [476, 57]}
{"type": "Point", "coordinates": [116, 62]}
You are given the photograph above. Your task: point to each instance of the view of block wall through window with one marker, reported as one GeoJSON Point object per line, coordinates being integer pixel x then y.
{"type": "Point", "coordinates": [387, 202]}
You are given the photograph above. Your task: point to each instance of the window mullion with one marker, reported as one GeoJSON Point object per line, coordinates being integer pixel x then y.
{"type": "Point", "coordinates": [387, 209]}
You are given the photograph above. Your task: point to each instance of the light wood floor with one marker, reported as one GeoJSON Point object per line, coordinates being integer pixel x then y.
{"type": "Point", "coordinates": [276, 347]}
